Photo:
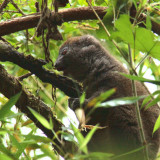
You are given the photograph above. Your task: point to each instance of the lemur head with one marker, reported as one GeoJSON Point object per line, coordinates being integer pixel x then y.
{"type": "Point", "coordinates": [76, 56]}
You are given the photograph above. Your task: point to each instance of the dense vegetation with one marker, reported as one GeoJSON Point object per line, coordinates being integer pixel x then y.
{"type": "Point", "coordinates": [40, 119]}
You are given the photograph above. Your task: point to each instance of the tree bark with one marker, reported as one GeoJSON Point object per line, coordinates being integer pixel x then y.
{"type": "Point", "coordinates": [10, 86]}
{"type": "Point", "coordinates": [35, 66]}
{"type": "Point", "coordinates": [31, 21]}
{"type": "Point", "coordinates": [81, 13]}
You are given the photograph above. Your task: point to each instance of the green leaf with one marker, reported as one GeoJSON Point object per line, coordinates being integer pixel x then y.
{"type": "Point", "coordinates": [82, 3]}
{"type": "Point", "coordinates": [40, 156]}
{"type": "Point", "coordinates": [148, 98]}
{"type": "Point", "coordinates": [3, 131]}
{"type": "Point", "coordinates": [13, 115]}
{"type": "Point", "coordinates": [95, 156]}
{"type": "Point", "coordinates": [88, 137]}
{"type": "Point", "coordinates": [157, 125]}
{"type": "Point", "coordinates": [100, 155]}
{"type": "Point", "coordinates": [68, 136]}
{"type": "Point", "coordinates": [79, 137]}
{"type": "Point", "coordinates": [153, 102]}
{"type": "Point", "coordinates": [48, 151]}
{"type": "Point", "coordinates": [145, 42]}
{"type": "Point", "coordinates": [6, 108]}
{"type": "Point", "coordinates": [148, 22]}
{"type": "Point", "coordinates": [120, 101]}
{"type": "Point", "coordinates": [124, 28]}
{"type": "Point", "coordinates": [143, 2]}
{"type": "Point", "coordinates": [37, 138]}
{"type": "Point", "coordinates": [130, 152]}
{"type": "Point", "coordinates": [103, 96]}
{"type": "Point", "coordinates": [140, 79]}
{"type": "Point", "coordinates": [41, 119]}
{"type": "Point", "coordinates": [5, 157]}
{"type": "Point", "coordinates": [107, 20]}
{"type": "Point", "coordinates": [82, 98]}
{"type": "Point", "coordinates": [6, 151]}
{"type": "Point", "coordinates": [140, 39]}
{"type": "Point", "coordinates": [18, 145]}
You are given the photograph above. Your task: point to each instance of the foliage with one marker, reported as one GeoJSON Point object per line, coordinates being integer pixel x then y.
{"type": "Point", "coordinates": [19, 137]}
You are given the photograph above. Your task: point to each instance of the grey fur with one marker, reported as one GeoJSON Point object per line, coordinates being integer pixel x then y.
{"type": "Point", "coordinates": [89, 63]}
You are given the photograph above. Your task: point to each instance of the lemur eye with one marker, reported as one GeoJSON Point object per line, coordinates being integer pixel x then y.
{"type": "Point", "coordinates": [64, 51]}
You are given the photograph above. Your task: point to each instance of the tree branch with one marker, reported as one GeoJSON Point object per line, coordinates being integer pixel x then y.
{"type": "Point", "coordinates": [35, 66]}
{"type": "Point", "coordinates": [10, 86]}
{"type": "Point", "coordinates": [31, 21]}
{"type": "Point", "coordinates": [81, 13]}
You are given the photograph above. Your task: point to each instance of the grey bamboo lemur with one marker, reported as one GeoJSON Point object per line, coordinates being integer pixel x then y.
{"type": "Point", "coordinates": [85, 60]}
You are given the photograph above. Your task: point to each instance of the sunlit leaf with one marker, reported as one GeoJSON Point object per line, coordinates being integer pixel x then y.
{"type": "Point", "coordinates": [18, 145]}
{"type": "Point", "coordinates": [148, 22]}
{"type": "Point", "coordinates": [157, 125]}
{"type": "Point", "coordinates": [49, 151]}
{"type": "Point", "coordinates": [140, 79]}
{"type": "Point", "coordinates": [37, 138]}
{"type": "Point", "coordinates": [103, 96]}
{"type": "Point", "coordinates": [145, 42]}
{"type": "Point", "coordinates": [153, 102]}
{"type": "Point", "coordinates": [3, 131]}
{"type": "Point", "coordinates": [120, 101]}
{"type": "Point", "coordinates": [6, 108]}
{"type": "Point", "coordinates": [68, 136]}
{"type": "Point", "coordinates": [140, 39]}
{"type": "Point", "coordinates": [79, 137]}
{"type": "Point", "coordinates": [129, 153]}
{"type": "Point", "coordinates": [149, 98]}
{"type": "Point", "coordinates": [124, 28]}
{"type": "Point", "coordinates": [95, 156]}
{"type": "Point", "coordinates": [5, 157]}
{"type": "Point", "coordinates": [82, 98]}
{"type": "Point", "coordinates": [88, 137]}
{"type": "Point", "coordinates": [5, 150]}
{"type": "Point", "coordinates": [41, 119]}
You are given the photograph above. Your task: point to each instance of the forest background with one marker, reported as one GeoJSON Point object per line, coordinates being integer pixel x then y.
{"type": "Point", "coordinates": [34, 113]}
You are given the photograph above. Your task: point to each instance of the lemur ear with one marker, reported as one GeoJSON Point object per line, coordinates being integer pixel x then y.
{"type": "Point", "coordinates": [86, 38]}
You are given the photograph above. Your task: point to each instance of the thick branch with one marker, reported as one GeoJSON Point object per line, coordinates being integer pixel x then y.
{"type": "Point", "coordinates": [35, 66]}
{"type": "Point", "coordinates": [81, 13]}
{"type": "Point", "coordinates": [9, 86]}
{"type": "Point", "coordinates": [31, 21]}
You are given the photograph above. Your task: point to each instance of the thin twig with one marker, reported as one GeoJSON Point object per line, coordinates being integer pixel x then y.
{"type": "Point", "coordinates": [24, 76]}
{"type": "Point", "coordinates": [142, 60]}
{"type": "Point", "coordinates": [140, 125]}
{"type": "Point", "coordinates": [15, 5]}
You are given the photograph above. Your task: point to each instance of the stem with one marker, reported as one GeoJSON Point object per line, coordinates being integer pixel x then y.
{"type": "Point", "coordinates": [140, 124]}
{"type": "Point", "coordinates": [141, 61]}
{"type": "Point", "coordinates": [145, 56]}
